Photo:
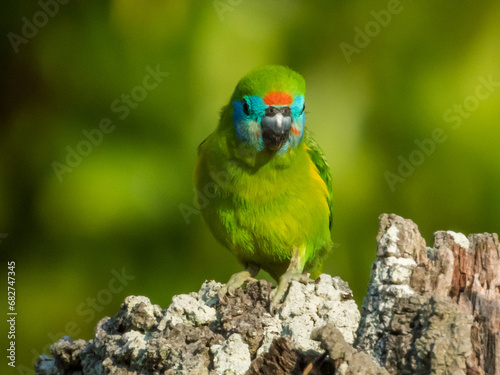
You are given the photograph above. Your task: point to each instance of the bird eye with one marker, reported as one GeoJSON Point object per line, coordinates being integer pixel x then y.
{"type": "Point", "coordinates": [271, 111]}
{"type": "Point", "coordinates": [246, 108]}
{"type": "Point", "coordinates": [303, 108]}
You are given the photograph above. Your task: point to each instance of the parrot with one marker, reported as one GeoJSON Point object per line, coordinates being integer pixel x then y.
{"type": "Point", "coordinates": [263, 184]}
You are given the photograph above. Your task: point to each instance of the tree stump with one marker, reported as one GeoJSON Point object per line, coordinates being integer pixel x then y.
{"type": "Point", "coordinates": [427, 311]}
{"type": "Point", "coordinates": [433, 310]}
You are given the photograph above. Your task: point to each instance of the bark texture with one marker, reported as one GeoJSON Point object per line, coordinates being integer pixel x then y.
{"type": "Point", "coordinates": [202, 334]}
{"type": "Point", "coordinates": [433, 310]}
{"type": "Point", "coordinates": [427, 311]}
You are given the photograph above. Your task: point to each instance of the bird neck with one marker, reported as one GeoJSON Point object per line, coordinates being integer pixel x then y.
{"type": "Point", "coordinates": [252, 160]}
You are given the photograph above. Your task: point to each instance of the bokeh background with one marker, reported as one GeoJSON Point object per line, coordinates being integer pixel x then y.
{"type": "Point", "coordinates": [370, 100]}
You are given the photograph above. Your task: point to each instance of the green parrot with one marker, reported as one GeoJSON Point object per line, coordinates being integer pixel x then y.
{"type": "Point", "coordinates": [264, 186]}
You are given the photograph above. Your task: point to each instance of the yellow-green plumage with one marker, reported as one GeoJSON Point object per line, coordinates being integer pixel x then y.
{"type": "Point", "coordinates": [266, 201]}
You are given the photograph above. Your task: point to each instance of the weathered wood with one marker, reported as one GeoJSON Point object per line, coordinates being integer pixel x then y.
{"type": "Point", "coordinates": [433, 310]}
{"type": "Point", "coordinates": [427, 311]}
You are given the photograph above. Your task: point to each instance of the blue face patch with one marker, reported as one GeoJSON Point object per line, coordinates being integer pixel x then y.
{"type": "Point", "coordinates": [298, 120]}
{"type": "Point", "coordinates": [247, 115]}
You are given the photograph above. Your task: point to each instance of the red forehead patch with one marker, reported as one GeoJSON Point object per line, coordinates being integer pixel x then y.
{"type": "Point", "coordinates": [278, 98]}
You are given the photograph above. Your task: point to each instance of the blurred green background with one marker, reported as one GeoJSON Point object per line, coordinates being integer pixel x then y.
{"type": "Point", "coordinates": [381, 78]}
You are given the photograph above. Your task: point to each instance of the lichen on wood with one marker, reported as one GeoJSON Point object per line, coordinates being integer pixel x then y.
{"type": "Point", "coordinates": [433, 310]}
{"type": "Point", "coordinates": [428, 310]}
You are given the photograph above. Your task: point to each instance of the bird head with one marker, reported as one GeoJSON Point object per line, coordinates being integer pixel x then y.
{"type": "Point", "coordinates": [268, 109]}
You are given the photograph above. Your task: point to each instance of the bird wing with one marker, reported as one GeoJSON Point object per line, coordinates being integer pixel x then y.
{"type": "Point", "coordinates": [318, 158]}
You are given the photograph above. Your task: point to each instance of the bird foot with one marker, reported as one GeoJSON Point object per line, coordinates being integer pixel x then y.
{"type": "Point", "coordinates": [283, 284]}
{"type": "Point", "coordinates": [235, 282]}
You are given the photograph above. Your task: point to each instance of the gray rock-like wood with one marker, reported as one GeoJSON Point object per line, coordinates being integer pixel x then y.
{"type": "Point", "coordinates": [201, 334]}
{"type": "Point", "coordinates": [433, 310]}
{"type": "Point", "coordinates": [427, 311]}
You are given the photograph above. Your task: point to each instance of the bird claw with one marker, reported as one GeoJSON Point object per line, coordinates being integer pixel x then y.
{"type": "Point", "coordinates": [235, 282]}
{"type": "Point", "coordinates": [284, 283]}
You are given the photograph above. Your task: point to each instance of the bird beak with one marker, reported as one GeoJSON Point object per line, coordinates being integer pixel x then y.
{"type": "Point", "coordinates": [276, 126]}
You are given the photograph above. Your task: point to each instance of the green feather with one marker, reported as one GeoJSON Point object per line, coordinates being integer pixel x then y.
{"type": "Point", "coordinates": [270, 78]}
{"type": "Point", "coordinates": [262, 205]}
{"type": "Point", "coordinates": [318, 158]}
